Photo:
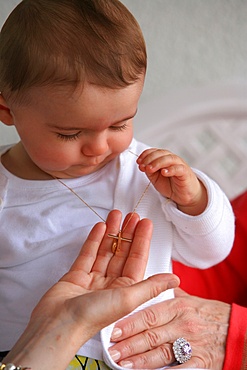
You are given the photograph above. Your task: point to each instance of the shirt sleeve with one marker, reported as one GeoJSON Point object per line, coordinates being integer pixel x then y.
{"type": "Point", "coordinates": [236, 346]}
{"type": "Point", "coordinates": [209, 235]}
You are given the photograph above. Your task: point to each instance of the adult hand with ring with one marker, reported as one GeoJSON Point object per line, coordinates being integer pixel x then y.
{"type": "Point", "coordinates": [145, 339]}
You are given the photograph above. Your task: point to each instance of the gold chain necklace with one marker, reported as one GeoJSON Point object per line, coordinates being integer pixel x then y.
{"type": "Point", "coordinates": [117, 238]}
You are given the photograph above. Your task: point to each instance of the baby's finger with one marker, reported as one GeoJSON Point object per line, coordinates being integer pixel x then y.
{"type": "Point", "coordinates": [151, 157]}
{"type": "Point", "coordinates": [145, 154]}
{"type": "Point", "coordinates": [178, 170]}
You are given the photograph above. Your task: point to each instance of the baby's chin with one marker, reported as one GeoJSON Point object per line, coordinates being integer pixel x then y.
{"type": "Point", "coordinates": [73, 173]}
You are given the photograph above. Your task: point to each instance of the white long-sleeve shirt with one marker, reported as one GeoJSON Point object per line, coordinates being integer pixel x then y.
{"type": "Point", "coordinates": [43, 226]}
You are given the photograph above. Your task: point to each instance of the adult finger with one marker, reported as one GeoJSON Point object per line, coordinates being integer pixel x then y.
{"type": "Point", "coordinates": [135, 265]}
{"type": "Point", "coordinates": [149, 318]}
{"type": "Point", "coordinates": [147, 343]}
{"type": "Point", "coordinates": [203, 323]}
{"type": "Point", "coordinates": [86, 258]}
{"type": "Point", "coordinates": [121, 301]}
{"type": "Point", "coordinates": [122, 243]}
{"type": "Point", "coordinates": [105, 254]}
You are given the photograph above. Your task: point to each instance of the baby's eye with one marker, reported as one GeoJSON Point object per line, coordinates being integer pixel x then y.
{"type": "Point", "coordinates": [119, 128]}
{"type": "Point", "coordinates": [68, 137]}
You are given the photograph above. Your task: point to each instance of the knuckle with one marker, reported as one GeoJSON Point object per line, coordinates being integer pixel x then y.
{"type": "Point", "coordinates": [149, 318]}
{"type": "Point", "coordinates": [172, 157]}
{"type": "Point", "coordinates": [128, 349]}
{"type": "Point", "coordinates": [129, 328]}
{"type": "Point", "coordinates": [181, 307]}
{"type": "Point", "coordinates": [199, 362]}
{"type": "Point", "coordinates": [155, 358]}
{"type": "Point", "coordinates": [166, 354]}
{"type": "Point", "coordinates": [143, 362]}
{"type": "Point", "coordinates": [191, 327]}
{"type": "Point", "coordinates": [153, 338]}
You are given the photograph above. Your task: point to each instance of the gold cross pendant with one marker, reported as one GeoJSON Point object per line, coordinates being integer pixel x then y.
{"type": "Point", "coordinates": [117, 242]}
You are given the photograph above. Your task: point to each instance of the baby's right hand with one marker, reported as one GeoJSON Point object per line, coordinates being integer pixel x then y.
{"type": "Point", "coordinates": [173, 178]}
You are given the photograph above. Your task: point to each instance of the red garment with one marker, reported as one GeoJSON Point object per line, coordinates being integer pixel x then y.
{"type": "Point", "coordinates": [227, 281]}
{"type": "Point", "coordinates": [236, 347]}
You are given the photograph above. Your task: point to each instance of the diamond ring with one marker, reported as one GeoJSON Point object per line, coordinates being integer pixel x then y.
{"type": "Point", "coordinates": [182, 350]}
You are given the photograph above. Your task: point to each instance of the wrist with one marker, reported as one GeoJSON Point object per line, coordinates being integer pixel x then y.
{"type": "Point", "coordinates": [198, 205]}
{"type": "Point", "coordinates": [45, 348]}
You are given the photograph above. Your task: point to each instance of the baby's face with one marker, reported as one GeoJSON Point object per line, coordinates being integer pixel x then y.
{"type": "Point", "coordinates": [71, 135]}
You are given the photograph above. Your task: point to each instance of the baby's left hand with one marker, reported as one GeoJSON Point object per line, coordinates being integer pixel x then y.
{"type": "Point", "coordinates": [173, 178]}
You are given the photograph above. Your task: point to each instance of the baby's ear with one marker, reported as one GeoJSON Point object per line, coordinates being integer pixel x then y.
{"type": "Point", "coordinates": [5, 113]}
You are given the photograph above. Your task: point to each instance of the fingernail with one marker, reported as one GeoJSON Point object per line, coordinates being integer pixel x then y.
{"type": "Point", "coordinates": [115, 355]}
{"type": "Point", "coordinates": [172, 284]}
{"type": "Point", "coordinates": [126, 364]}
{"type": "Point", "coordinates": [116, 333]}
